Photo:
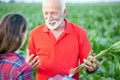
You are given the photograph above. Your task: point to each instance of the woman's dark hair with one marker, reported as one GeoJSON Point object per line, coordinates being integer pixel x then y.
{"type": "Point", "coordinates": [12, 30]}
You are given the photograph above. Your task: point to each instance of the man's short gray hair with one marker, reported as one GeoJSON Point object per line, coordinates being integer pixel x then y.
{"type": "Point", "coordinates": [63, 3]}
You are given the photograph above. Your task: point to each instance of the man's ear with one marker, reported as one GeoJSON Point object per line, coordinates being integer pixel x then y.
{"type": "Point", "coordinates": [65, 12]}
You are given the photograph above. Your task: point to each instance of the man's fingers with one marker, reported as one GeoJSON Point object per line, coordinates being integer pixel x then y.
{"type": "Point", "coordinates": [88, 65]}
{"type": "Point", "coordinates": [95, 63]}
{"type": "Point", "coordinates": [36, 65]}
{"type": "Point", "coordinates": [94, 60]}
{"type": "Point", "coordinates": [87, 62]}
{"type": "Point", "coordinates": [27, 54]}
{"type": "Point", "coordinates": [91, 64]}
{"type": "Point", "coordinates": [28, 57]}
{"type": "Point", "coordinates": [89, 68]}
{"type": "Point", "coordinates": [34, 60]}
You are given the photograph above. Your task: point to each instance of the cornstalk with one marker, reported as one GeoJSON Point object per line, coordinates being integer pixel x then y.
{"type": "Point", "coordinates": [113, 48]}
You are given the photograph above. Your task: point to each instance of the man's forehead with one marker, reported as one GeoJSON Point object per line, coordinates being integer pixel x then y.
{"type": "Point", "coordinates": [51, 10]}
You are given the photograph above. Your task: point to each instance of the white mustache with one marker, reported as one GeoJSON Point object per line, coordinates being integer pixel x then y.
{"type": "Point", "coordinates": [51, 21]}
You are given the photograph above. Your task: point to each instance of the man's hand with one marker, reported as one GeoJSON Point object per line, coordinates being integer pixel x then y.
{"type": "Point", "coordinates": [33, 61]}
{"type": "Point", "coordinates": [91, 64]}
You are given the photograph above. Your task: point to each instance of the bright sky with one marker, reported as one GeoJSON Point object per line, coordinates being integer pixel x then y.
{"type": "Point", "coordinates": [72, 1]}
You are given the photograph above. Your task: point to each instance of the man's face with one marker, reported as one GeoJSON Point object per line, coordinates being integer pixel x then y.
{"type": "Point", "coordinates": [53, 15]}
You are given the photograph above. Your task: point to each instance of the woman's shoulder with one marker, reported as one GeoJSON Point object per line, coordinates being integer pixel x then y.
{"type": "Point", "coordinates": [13, 59]}
{"type": "Point", "coordinates": [14, 64]}
{"type": "Point", "coordinates": [18, 60]}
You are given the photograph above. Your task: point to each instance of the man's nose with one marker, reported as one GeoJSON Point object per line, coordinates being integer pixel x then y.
{"type": "Point", "coordinates": [49, 17]}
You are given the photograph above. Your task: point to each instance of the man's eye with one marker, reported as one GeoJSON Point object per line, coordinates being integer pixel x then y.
{"type": "Point", "coordinates": [45, 13]}
{"type": "Point", "coordinates": [54, 13]}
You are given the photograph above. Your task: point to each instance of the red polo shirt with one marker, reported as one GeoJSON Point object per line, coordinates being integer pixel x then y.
{"type": "Point", "coordinates": [58, 56]}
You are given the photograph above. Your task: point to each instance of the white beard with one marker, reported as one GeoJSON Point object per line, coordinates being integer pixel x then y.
{"type": "Point", "coordinates": [56, 23]}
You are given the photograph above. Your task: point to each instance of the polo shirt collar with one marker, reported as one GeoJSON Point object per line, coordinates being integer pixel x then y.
{"type": "Point", "coordinates": [68, 28]}
{"type": "Point", "coordinates": [45, 29]}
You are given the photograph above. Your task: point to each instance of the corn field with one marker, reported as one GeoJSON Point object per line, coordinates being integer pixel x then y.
{"type": "Point", "coordinates": [101, 21]}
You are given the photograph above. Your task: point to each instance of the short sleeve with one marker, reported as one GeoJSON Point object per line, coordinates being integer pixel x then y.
{"type": "Point", "coordinates": [31, 45]}
{"type": "Point", "coordinates": [84, 45]}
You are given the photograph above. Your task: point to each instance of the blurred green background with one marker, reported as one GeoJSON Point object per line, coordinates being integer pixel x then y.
{"type": "Point", "coordinates": [101, 21]}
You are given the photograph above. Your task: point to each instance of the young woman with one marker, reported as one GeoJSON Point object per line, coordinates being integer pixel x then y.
{"type": "Point", "coordinates": [12, 37]}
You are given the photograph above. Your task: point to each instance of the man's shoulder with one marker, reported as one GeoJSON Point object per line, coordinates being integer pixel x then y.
{"type": "Point", "coordinates": [77, 27]}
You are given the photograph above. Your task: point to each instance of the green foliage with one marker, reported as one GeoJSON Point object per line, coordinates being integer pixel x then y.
{"type": "Point", "coordinates": [101, 21]}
